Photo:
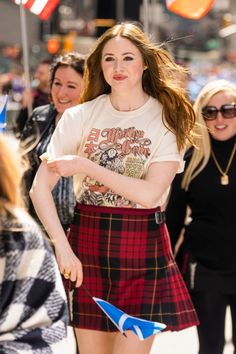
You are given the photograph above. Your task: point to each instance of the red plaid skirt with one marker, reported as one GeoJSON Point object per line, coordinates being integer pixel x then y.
{"type": "Point", "coordinates": [127, 260]}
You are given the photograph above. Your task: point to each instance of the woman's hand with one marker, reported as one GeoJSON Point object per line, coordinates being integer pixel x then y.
{"type": "Point", "coordinates": [41, 196]}
{"type": "Point", "coordinates": [69, 265]}
{"type": "Point", "coordinates": [65, 166]}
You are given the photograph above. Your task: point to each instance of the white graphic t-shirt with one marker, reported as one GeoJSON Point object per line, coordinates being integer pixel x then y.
{"type": "Point", "coordinates": [124, 142]}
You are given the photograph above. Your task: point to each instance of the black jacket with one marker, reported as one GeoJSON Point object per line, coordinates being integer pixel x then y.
{"type": "Point", "coordinates": [35, 129]}
{"type": "Point", "coordinates": [40, 99]}
{"type": "Point", "coordinates": [35, 139]}
{"type": "Point", "coordinates": [38, 123]}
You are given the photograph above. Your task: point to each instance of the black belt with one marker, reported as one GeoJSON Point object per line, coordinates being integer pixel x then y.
{"type": "Point", "coordinates": [160, 217]}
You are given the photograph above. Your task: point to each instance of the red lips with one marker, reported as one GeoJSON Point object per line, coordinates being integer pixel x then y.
{"type": "Point", "coordinates": [119, 77]}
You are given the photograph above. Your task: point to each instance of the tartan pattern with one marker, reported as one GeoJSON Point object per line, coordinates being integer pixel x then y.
{"type": "Point", "coordinates": [127, 261]}
{"type": "Point", "coordinates": [33, 308]}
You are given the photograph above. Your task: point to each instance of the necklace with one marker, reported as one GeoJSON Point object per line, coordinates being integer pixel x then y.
{"type": "Point", "coordinates": [224, 179]}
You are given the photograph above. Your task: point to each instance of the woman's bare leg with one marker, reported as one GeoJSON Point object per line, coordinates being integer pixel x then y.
{"type": "Point", "coordinates": [132, 344]}
{"type": "Point", "coordinates": [97, 342]}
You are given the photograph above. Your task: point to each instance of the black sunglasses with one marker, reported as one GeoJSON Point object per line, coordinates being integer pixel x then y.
{"type": "Point", "coordinates": [227, 111]}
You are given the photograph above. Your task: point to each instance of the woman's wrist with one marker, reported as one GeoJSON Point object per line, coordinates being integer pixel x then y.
{"type": "Point", "coordinates": [83, 165]}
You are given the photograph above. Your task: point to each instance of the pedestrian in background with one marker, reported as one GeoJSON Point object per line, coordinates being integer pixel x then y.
{"type": "Point", "coordinates": [33, 308]}
{"type": "Point", "coordinates": [123, 144]}
{"type": "Point", "coordinates": [202, 208]}
{"type": "Point", "coordinates": [65, 87]}
{"type": "Point", "coordinates": [37, 96]}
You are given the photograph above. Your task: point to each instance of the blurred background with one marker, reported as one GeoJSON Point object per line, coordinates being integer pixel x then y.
{"type": "Point", "coordinates": [206, 46]}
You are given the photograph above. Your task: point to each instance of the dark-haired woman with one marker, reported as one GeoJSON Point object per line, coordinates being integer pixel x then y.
{"type": "Point", "coordinates": [65, 89]}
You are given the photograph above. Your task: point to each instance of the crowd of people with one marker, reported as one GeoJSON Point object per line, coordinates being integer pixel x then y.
{"type": "Point", "coordinates": [132, 181]}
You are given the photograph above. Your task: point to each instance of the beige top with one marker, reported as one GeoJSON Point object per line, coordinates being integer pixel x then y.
{"type": "Point", "coordinates": [124, 142]}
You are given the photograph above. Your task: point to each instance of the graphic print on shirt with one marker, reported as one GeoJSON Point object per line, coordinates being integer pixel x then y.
{"type": "Point", "coordinates": [124, 151]}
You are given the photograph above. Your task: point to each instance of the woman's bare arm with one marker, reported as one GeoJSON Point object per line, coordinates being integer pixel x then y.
{"type": "Point", "coordinates": [146, 192]}
{"type": "Point", "coordinates": [42, 199]}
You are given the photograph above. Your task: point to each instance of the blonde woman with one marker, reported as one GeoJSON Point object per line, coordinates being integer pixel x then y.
{"type": "Point", "coordinates": [206, 194]}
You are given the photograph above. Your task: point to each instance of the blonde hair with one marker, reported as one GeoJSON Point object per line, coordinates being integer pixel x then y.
{"type": "Point", "coordinates": [201, 139]}
{"type": "Point", "coordinates": [11, 173]}
{"type": "Point", "coordinates": [159, 79]}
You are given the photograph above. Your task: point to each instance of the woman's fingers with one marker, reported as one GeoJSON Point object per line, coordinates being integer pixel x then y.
{"type": "Point", "coordinates": [59, 168]}
{"type": "Point", "coordinates": [73, 273]}
{"type": "Point", "coordinates": [64, 166]}
{"type": "Point", "coordinates": [51, 164]}
{"type": "Point", "coordinates": [79, 280]}
{"type": "Point", "coordinates": [69, 264]}
{"type": "Point", "coordinates": [67, 274]}
{"type": "Point", "coordinates": [53, 167]}
{"type": "Point", "coordinates": [73, 276]}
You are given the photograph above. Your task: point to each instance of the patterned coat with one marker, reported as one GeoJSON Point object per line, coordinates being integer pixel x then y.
{"type": "Point", "coordinates": [33, 308]}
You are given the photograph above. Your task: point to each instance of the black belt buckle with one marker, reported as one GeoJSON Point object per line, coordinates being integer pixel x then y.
{"type": "Point", "coordinates": [160, 217]}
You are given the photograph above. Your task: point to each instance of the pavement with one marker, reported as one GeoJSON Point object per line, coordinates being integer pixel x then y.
{"type": "Point", "coordinates": [182, 342]}
{"type": "Point", "coordinates": [186, 341]}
